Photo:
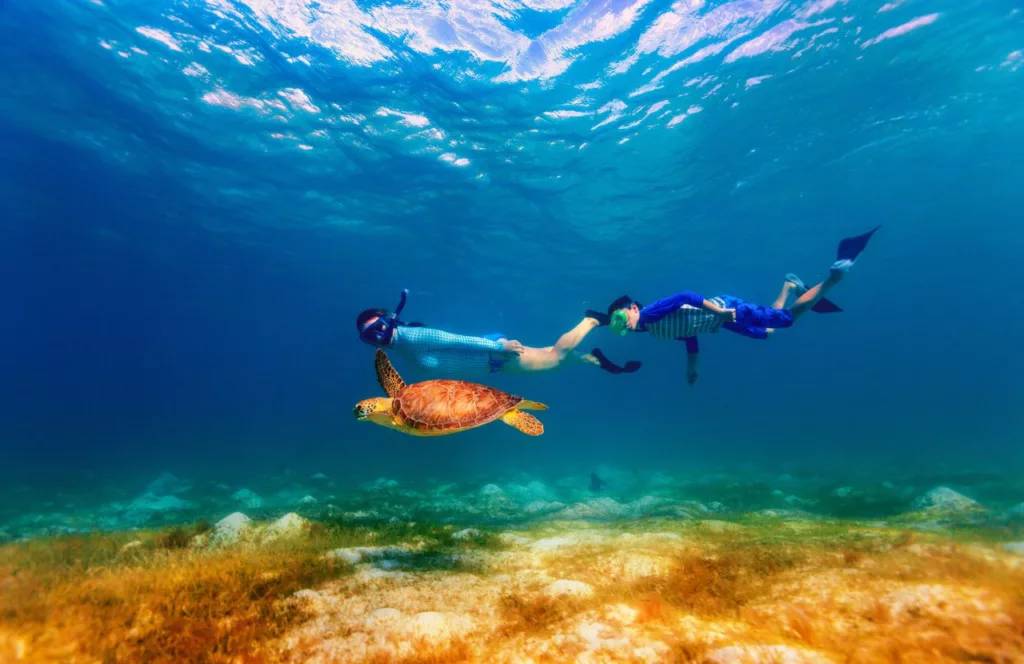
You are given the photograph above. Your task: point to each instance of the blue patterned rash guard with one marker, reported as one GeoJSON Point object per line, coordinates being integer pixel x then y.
{"type": "Point", "coordinates": [443, 354]}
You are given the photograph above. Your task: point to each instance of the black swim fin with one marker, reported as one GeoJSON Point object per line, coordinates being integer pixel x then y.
{"type": "Point", "coordinates": [613, 368]}
{"type": "Point", "coordinates": [825, 306]}
{"type": "Point", "coordinates": [602, 318]}
{"type": "Point", "coordinates": [850, 247]}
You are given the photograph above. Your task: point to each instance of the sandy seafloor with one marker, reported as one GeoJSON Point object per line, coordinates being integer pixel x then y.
{"type": "Point", "coordinates": [708, 566]}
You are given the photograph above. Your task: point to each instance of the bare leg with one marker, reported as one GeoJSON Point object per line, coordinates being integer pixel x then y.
{"type": "Point", "coordinates": [550, 357]}
{"type": "Point", "coordinates": [780, 301]}
{"type": "Point", "coordinates": [532, 359]}
{"type": "Point", "coordinates": [808, 299]}
{"type": "Point", "coordinates": [571, 339]}
{"type": "Point", "coordinates": [805, 301]}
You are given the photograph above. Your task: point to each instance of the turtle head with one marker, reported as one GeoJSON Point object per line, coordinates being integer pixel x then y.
{"type": "Point", "coordinates": [377, 410]}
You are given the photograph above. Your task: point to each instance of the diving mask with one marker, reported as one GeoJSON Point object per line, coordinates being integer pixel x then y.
{"type": "Point", "coordinates": [619, 323]}
{"type": "Point", "coordinates": [378, 333]}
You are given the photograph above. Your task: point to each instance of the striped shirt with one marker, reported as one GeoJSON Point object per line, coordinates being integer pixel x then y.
{"type": "Point", "coordinates": [686, 321]}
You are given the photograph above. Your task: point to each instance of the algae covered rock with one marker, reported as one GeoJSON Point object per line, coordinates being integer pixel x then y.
{"type": "Point", "coordinates": [167, 483]}
{"type": "Point", "coordinates": [381, 484]}
{"type": "Point", "coordinates": [231, 529]}
{"type": "Point", "coordinates": [358, 554]}
{"type": "Point", "coordinates": [597, 508]}
{"type": "Point", "coordinates": [1015, 547]}
{"type": "Point", "coordinates": [151, 506]}
{"type": "Point", "coordinates": [289, 526]}
{"type": "Point", "coordinates": [247, 499]}
{"type": "Point", "coordinates": [513, 539]}
{"type": "Point", "coordinates": [538, 507]}
{"type": "Point", "coordinates": [237, 527]}
{"type": "Point", "coordinates": [716, 526]}
{"type": "Point", "coordinates": [568, 540]}
{"type": "Point", "coordinates": [533, 491]}
{"type": "Point", "coordinates": [944, 499]}
{"type": "Point", "coordinates": [492, 492]}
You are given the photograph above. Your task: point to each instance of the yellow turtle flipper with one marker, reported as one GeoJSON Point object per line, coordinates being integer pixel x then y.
{"type": "Point", "coordinates": [388, 378]}
{"type": "Point", "coordinates": [526, 404]}
{"type": "Point", "coordinates": [525, 422]}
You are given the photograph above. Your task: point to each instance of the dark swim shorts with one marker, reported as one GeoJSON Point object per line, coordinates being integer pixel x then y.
{"type": "Point", "coordinates": [754, 320]}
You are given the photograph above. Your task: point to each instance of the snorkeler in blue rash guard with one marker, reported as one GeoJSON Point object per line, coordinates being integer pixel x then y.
{"type": "Point", "coordinates": [686, 314]}
{"type": "Point", "coordinates": [443, 354]}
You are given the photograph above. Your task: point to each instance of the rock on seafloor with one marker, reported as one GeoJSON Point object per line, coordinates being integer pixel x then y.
{"type": "Point", "coordinates": [358, 554]}
{"type": "Point", "coordinates": [230, 529]}
{"type": "Point", "coordinates": [944, 499]}
{"type": "Point", "coordinates": [167, 483]}
{"type": "Point", "coordinates": [149, 506]}
{"type": "Point", "coordinates": [237, 527]}
{"type": "Point", "coordinates": [248, 499]}
{"type": "Point", "coordinates": [288, 526]}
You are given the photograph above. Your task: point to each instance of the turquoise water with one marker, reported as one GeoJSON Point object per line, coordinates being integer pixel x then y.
{"type": "Point", "coordinates": [200, 196]}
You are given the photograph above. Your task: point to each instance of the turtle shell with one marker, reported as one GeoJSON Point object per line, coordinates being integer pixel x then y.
{"type": "Point", "coordinates": [441, 406]}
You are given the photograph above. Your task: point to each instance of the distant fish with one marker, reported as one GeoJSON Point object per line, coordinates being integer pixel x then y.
{"type": "Point", "coordinates": [596, 483]}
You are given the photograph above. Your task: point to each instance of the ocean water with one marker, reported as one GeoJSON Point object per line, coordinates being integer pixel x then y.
{"type": "Point", "coordinates": [199, 196]}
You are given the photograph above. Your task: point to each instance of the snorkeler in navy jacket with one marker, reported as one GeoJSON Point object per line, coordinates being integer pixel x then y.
{"type": "Point", "coordinates": [686, 314]}
{"type": "Point", "coordinates": [442, 354]}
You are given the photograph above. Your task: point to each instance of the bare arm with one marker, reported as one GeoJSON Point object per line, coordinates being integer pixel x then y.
{"type": "Point", "coordinates": [728, 314]}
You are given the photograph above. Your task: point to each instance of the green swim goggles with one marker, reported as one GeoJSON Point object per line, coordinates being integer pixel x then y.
{"type": "Point", "coordinates": [618, 323]}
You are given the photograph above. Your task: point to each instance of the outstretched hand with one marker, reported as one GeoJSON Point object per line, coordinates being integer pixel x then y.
{"type": "Point", "coordinates": [728, 314]}
{"type": "Point", "coordinates": [513, 347]}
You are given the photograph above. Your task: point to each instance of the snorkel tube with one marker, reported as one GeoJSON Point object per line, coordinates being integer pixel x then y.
{"type": "Point", "coordinates": [398, 309]}
{"type": "Point", "coordinates": [379, 332]}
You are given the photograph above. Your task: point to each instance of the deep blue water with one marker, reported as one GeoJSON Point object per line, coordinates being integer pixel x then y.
{"type": "Point", "coordinates": [200, 196]}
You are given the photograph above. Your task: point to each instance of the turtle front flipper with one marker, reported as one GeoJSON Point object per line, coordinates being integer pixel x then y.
{"type": "Point", "coordinates": [525, 422]}
{"type": "Point", "coordinates": [388, 378]}
{"type": "Point", "coordinates": [526, 404]}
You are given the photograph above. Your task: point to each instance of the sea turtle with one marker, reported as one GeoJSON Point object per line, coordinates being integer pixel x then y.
{"type": "Point", "coordinates": [441, 407]}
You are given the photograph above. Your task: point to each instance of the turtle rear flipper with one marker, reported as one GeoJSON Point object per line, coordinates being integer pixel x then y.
{"type": "Point", "coordinates": [388, 378]}
{"type": "Point", "coordinates": [525, 422]}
